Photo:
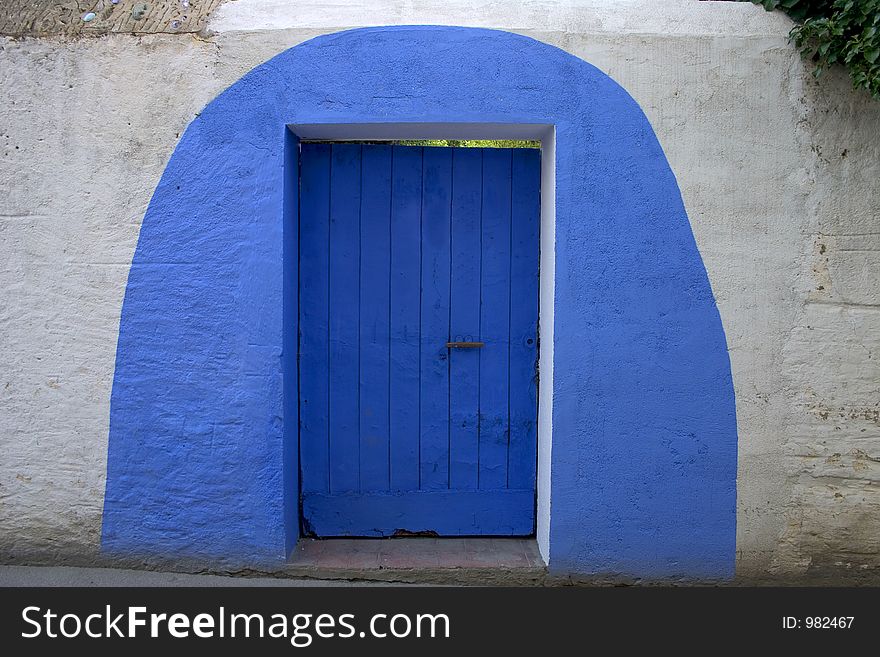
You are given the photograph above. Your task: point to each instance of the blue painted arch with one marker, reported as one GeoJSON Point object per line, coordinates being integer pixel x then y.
{"type": "Point", "coordinates": [202, 459]}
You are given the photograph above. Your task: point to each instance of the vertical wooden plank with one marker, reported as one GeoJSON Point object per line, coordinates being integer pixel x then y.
{"type": "Point", "coordinates": [314, 218]}
{"type": "Point", "coordinates": [375, 288]}
{"type": "Point", "coordinates": [345, 196]}
{"type": "Point", "coordinates": [406, 208]}
{"type": "Point", "coordinates": [434, 379]}
{"type": "Point", "coordinates": [465, 317]}
{"type": "Point", "coordinates": [495, 318]}
{"type": "Point", "coordinates": [525, 231]}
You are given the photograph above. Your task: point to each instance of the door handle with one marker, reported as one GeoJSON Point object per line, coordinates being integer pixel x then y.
{"type": "Point", "coordinates": [465, 345]}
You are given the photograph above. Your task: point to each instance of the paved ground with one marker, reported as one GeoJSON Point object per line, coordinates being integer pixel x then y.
{"type": "Point", "coordinates": [70, 576]}
{"type": "Point", "coordinates": [333, 562]}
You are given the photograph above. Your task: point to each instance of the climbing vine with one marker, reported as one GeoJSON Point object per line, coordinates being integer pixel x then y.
{"type": "Point", "coordinates": [844, 32]}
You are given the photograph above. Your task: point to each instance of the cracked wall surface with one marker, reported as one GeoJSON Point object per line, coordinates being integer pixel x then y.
{"type": "Point", "coordinates": [778, 173]}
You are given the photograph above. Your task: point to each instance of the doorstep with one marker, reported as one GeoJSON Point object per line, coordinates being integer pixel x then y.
{"type": "Point", "coordinates": [420, 560]}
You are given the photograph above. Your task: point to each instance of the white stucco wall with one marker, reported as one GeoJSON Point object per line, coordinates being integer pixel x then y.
{"type": "Point", "coordinates": [779, 175]}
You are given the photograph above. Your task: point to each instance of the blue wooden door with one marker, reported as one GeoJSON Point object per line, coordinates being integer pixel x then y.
{"type": "Point", "coordinates": [404, 252]}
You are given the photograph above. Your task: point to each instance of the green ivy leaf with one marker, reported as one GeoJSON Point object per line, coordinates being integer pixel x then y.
{"type": "Point", "coordinates": [836, 32]}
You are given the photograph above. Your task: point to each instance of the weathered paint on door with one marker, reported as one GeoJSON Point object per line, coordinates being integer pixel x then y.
{"type": "Point", "coordinates": [402, 250]}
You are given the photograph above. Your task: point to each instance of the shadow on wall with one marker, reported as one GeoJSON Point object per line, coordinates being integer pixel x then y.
{"type": "Point", "coordinates": [203, 451]}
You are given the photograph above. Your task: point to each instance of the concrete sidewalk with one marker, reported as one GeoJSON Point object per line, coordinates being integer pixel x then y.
{"type": "Point", "coordinates": [412, 561]}
{"type": "Point", "coordinates": [121, 577]}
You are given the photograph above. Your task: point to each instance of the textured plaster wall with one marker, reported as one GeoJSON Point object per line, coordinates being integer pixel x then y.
{"type": "Point", "coordinates": [778, 174]}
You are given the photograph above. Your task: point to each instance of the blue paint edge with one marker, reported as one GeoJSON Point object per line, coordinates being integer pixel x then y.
{"type": "Point", "coordinates": [575, 547]}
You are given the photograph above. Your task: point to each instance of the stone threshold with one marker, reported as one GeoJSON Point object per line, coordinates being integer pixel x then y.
{"type": "Point", "coordinates": [420, 560]}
